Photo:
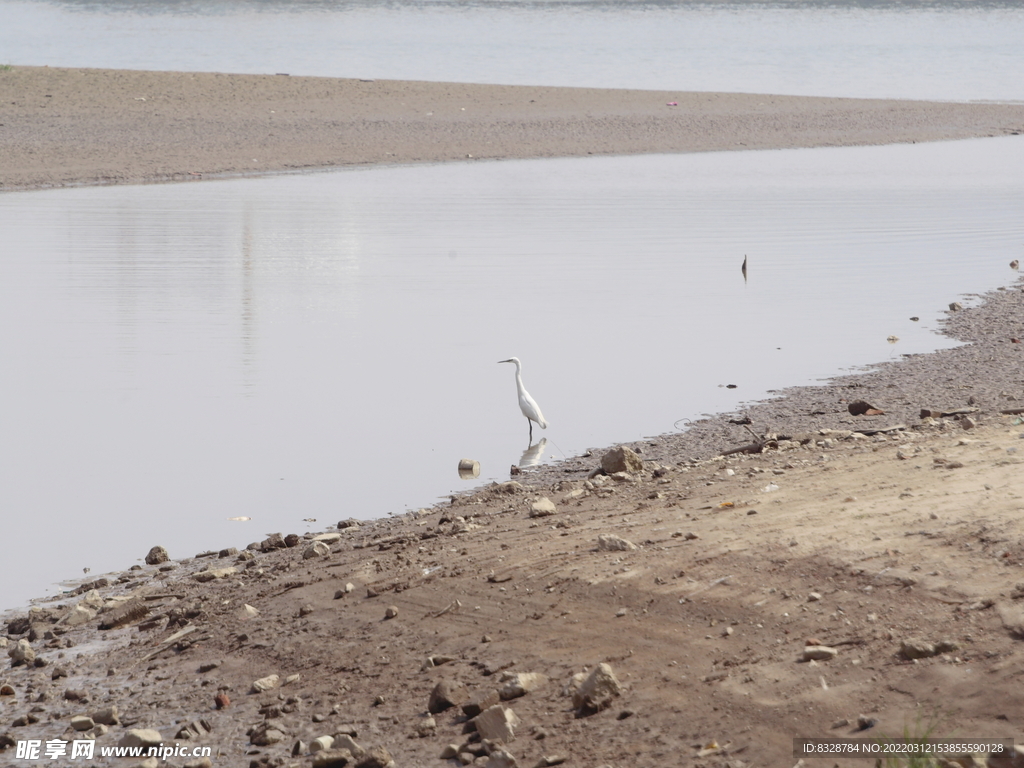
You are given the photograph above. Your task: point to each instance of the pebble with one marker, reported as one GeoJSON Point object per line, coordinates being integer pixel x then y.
{"type": "Point", "coordinates": [265, 683]}
{"type": "Point", "coordinates": [157, 555]}
{"type": "Point", "coordinates": [819, 653]}
{"type": "Point", "coordinates": [609, 542]}
{"type": "Point", "coordinates": [391, 612]}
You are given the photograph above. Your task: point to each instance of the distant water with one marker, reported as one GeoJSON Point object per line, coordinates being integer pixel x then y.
{"type": "Point", "coordinates": [325, 345]}
{"type": "Point", "coordinates": [952, 50]}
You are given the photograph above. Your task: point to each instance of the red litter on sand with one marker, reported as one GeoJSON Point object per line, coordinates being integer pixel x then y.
{"type": "Point", "coordinates": [673, 104]}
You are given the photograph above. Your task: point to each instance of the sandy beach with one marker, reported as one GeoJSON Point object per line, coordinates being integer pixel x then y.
{"type": "Point", "coordinates": [797, 569]}
{"type": "Point", "coordinates": [95, 126]}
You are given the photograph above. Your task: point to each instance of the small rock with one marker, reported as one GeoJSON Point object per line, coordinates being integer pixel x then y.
{"type": "Point", "coordinates": [864, 722]}
{"type": "Point", "coordinates": [426, 727]}
{"type": "Point", "coordinates": [621, 459]}
{"type": "Point", "coordinates": [916, 648]}
{"type": "Point", "coordinates": [141, 737]}
{"type": "Point", "coordinates": [266, 734]}
{"type": "Point", "coordinates": [543, 507]}
{"type": "Point", "coordinates": [316, 549]}
{"type": "Point", "coordinates": [956, 306]}
{"type": "Point", "coordinates": [306, 609]}
{"type": "Point", "coordinates": [446, 694]}
{"type": "Point", "coordinates": [480, 702]}
{"type": "Point", "coordinates": [82, 722]}
{"type": "Point", "coordinates": [500, 758]}
{"type": "Point", "coordinates": [265, 683]}
{"type": "Point", "coordinates": [78, 615]}
{"type": "Point", "coordinates": [862, 408]}
{"type": "Point", "coordinates": [497, 723]}
{"type": "Point", "coordinates": [375, 757]}
{"type": "Point", "coordinates": [332, 758]}
{"type": "Point", "coordinates": [345, 741]}
{"type": "Point", "coordinates": [449, 752]}
{"type": "Point", "coordinates": [609, 542]}
{"type": "Point", "coordinates": [272, 542]}
{"type": "Point", "coordinates": [813, 597]}
{"type": "Point", "coordinates": [819, 653]}
{"type": "Point", "coordinates": [391, 612]}
{"type": "Point", "coordinates": [597, 690]}
{"type": "Point", "coordinates": [22, 653]}
{"type": "Point", "coordinates": [214, 573]}
{"type": "Point", "coordinates": [221, 700]}
{"type": "Point", "coordinates": [521, 684]}
{"type": "Point", "coordinates": [106, 716]}
{"type": "Point", "coordinates": [156, 556]}
{"type": "Point", "coordinates": [193, 730]}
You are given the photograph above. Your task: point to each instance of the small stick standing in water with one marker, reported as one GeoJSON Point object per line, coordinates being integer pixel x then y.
{"type": "Point", "coordinates": [743, 269]}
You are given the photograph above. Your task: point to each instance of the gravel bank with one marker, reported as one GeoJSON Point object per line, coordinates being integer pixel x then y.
{"type": "Point", "coordinates": [95, 126]}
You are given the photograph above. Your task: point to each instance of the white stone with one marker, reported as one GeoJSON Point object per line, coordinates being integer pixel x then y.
{"type": "Point", "coordinates": [215, 573]}
{"type": "Point", "coordinates": [22, 652]}
{"type": "Point", "coordinates": [542, 507]}
{"type": "Point", "coordinates": [265, 683]}
{"type": "Point", "coordinates": [497, 723]}
{"type": "Point", "coordinates": [316, 549]}
{"type": "Point", "coordinates": [609, 542]}
{"type": "Point", "coordinates": [598, 690]}
{"type": "Point", "coordinates": [78, 615]}
{"type": "Point", "coordinates": [521, 684]}
{"type": "Point", "coordinates": [141, 737]}
{"type": "Point", "coordinates": [819, 653]}
{"type": "Point", "coordinates": [82, 722]}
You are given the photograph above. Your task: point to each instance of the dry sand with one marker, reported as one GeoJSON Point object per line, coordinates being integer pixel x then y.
{"type": "Point", "coordinates": [96, 126]}
{"type": "Point", "coordinates": [856, 542]}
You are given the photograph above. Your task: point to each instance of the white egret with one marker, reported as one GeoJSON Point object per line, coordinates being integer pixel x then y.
{"type": "Point", "coordinates": [527, 404]}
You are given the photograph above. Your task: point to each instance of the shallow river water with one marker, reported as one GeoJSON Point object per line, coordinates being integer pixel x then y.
{"type": "Point", "coordinates": [321, 346]}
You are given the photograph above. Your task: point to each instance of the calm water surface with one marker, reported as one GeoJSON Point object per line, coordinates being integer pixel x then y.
{"type": "Point", "coordinates": [941, 49]}
{"type": "Point", "coordinates": [325, 346]}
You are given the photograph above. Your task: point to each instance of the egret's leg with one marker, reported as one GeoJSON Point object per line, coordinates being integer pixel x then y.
{"type": "Point", "coordinates": [531, 429]}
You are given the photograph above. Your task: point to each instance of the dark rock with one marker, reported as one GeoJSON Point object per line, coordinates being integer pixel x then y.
{"type": "Point", "coordinates": [156, 556]}
{"type": "Point", "coordinates": [446, 694]}
{"type": "Point", "coordinates": [375, 757]}
{"type": "Point", "coordinates": [272, 542]}
{"type": "Point", "coordinates": [332, 758]}
{"type": "Point", "coordinates": [480, 702]}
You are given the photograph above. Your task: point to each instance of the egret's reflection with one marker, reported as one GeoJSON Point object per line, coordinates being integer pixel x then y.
{"type": "Point", "coordinates": [531, 456]}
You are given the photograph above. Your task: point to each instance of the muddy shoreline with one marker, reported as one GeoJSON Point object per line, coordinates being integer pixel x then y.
{"type": "Point", "coordinates": [985, 374]}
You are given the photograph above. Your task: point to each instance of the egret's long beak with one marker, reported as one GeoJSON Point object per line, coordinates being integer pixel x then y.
{"type": "Point", "coordinates": [504, 361]}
